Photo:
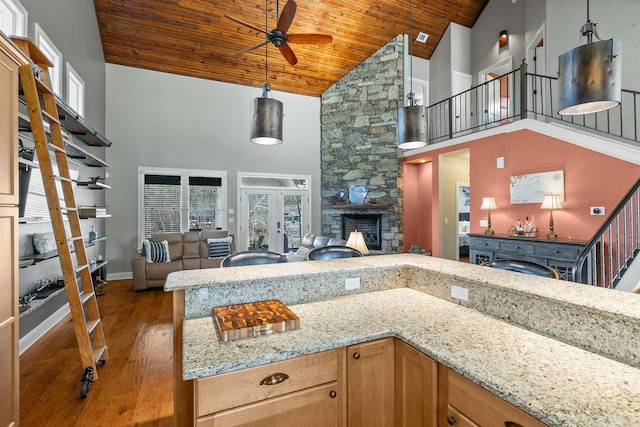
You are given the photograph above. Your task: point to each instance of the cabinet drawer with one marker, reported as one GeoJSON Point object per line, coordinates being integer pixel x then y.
{"type": "Point", "coordinates": [484, 244]}
{"type": "Point", "coordinates": [315, 407]}
{"type": "Point", "coordinates": [229, 390]}
{"type": "Point", "coordinates": [517, 247]}
{"type": "Point", "coordinates": [482, 407]}
{"type": "Point", "coordinates": [558, 251]}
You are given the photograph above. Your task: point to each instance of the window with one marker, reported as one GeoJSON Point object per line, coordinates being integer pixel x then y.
{"type": "Point", "coordinates": [54, 55]}
{"type": "Point", "coordinates": [13, 18]}
{"type": "Point", "coordinates": [176, 200]}
{"type": "Point", "coordinates": [75, 90]}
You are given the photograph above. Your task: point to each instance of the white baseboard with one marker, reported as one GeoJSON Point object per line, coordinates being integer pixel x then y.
{"type": "Point", "coordinates": [38, 332]}
{"type": "Point", "coordinates": [120, 276]}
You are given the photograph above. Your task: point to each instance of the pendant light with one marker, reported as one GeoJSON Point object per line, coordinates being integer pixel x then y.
{"type": "Point", "coordinates": [266, 113]}
{"type": "Point", "coordinates": [412, 119]}
{"type": "Point", "coordinates": [590, 76]}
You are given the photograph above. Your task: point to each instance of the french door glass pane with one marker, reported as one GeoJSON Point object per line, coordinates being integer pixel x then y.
{"type": "Point", "coordinates": [292, 222]}
{"type": "Point", "coordinates": [258, 224]}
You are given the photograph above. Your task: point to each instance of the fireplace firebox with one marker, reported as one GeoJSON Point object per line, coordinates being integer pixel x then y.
{"type": "Point", "coordinates": [369, 225]}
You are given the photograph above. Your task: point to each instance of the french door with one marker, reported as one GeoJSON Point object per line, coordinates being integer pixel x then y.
{"type": "Point", "coordinates": [274, 218]}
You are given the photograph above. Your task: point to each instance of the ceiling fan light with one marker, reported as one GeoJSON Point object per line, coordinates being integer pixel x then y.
{"type": "Point", "coordinates": [412, 127]}
{"type": "Point", "coordinates": [266, 121]}
{"type": "Point", "coordinates": [590, 78]}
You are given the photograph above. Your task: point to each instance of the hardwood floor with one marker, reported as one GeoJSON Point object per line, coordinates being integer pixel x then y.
{"type": "Point", "coordinates": [134, 387]}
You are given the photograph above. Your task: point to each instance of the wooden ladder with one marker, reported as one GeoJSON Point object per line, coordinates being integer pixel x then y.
{"type": "Point", "coordinates": [41, 103]}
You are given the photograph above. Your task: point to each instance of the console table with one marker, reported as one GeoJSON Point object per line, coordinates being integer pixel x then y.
{"type": "Point", "coordinates": [558, 254]}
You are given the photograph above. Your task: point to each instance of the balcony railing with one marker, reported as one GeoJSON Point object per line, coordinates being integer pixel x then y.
{"type": "Point", "coordinates": [511, 97]}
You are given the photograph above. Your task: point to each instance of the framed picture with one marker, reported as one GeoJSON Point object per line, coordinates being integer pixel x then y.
{"type": "Point", "coordinates": [464, 198]}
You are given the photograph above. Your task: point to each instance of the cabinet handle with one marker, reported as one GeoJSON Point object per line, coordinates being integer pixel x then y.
{"type": "Point", "coordinates": [274, 379]}
{"type": "Point", "coordinates": [356, 355]}
{"type": "Point", "coordinates": [511, 424]}
{"type": "Point", "coordinates": [451, 420]}
{"type": "Point", "coordinates": [333, 394]}
{"type": "Point", "coordinates": [517, 247]}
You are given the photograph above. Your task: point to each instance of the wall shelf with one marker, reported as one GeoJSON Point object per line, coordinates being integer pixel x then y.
{"type": "Point", "coordinates": [91, 185]}
{"type": "Point", "coordinates": [363, 206]}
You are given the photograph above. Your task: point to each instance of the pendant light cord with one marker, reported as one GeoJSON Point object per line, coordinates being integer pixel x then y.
{"type": "Point", "coordinates": [266, 87]}
{"type": "Point", "coordinates": [411, 96]}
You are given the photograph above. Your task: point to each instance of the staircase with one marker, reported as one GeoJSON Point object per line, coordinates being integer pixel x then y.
{"type": "Point", "coordinates": [612, 249]}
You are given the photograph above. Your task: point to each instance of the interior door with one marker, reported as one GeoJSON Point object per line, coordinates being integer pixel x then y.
{"type": "Point", "coordinates": [273, 220]}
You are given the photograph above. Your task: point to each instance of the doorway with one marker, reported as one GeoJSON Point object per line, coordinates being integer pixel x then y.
{"type": "Point", "coordinates": [454, 178]}
{"type": "Point", "coordinates": [274, 212]}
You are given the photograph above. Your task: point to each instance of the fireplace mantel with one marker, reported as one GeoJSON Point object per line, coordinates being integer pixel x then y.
{"type": "Point", "coordinates": [362, 206]}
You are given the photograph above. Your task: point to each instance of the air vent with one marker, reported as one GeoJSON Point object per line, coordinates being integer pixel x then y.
{"type": "Point", "coordinates": [422, 37]}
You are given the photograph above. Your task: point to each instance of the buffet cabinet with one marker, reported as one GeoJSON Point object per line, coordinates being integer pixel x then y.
{"type": "Point", "coordinates": [558, 254]}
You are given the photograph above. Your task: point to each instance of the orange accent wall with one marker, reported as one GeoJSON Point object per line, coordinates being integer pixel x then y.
{"type": "Point", "coordinates": [591, 179]}
{"type": "Point", "coordinates": [417, 219]}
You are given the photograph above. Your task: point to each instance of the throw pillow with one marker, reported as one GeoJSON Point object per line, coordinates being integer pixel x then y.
{"type": "Point", "coordinates": [299, 255]}
{"type": "Point", "coordinates": [219, 248]}
{"type": "Point", "coordinates": [157, 251]}
{"type": "Point", "coordinates": [43, 242]}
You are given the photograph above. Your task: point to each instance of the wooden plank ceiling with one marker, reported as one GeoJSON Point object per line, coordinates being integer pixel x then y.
{"type": "Point", "coordinates": [194, 38]}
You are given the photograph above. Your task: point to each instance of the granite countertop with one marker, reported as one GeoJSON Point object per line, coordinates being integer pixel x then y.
{"type": "Point", "coordinates": [537, 343]}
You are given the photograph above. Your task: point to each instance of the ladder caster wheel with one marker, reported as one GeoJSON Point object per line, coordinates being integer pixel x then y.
{"type": "Point", "coordinates": [87, 377]}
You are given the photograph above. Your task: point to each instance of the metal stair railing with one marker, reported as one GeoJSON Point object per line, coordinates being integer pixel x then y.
{"type": "Point", "coordinates": [615, 245]}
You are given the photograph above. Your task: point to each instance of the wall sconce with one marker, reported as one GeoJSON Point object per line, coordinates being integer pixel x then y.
{"type": "Point", "coordinates": [356, 241]}
{"type": "Point", "coordinates": [503, 41]}
{"type": "Point", "coordinates": [489, 204]}
{"type": "Point", "coordinates": [551, 202]}
{"type": "Point", "coordinates": [590, 76]}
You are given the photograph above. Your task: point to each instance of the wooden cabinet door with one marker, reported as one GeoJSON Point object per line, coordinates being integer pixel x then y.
{"type": "Point", "coordinates": [468, 404]}
{"type": "Point", "coordinates": [9, 352]}
{"type": "Point", "coordinates": [416, 388]}
{"type": "Point", "coordinates": [314, 407]}
{"type": "Point", "coordinates": [370, 384]}
{"type": "Point", "coordinates": [8, 129]}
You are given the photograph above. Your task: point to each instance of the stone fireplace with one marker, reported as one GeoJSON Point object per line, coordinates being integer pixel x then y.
{"type": "Point", "coordinates": [369, 225]}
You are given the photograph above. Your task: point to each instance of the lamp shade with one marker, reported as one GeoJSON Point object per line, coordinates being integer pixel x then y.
{"type": "Point", "coordinates": [356, 241]}
{"type": "Point", "coordinates": [266, 121]}
{"type": "Point", "coordinates": [488, 204]}
{"type": "Point", "coordinates": [412, 127]}
{"type": "Point", "coordinates": [590, 78]}
{"type": "Point", "coordinates": [551, 201]}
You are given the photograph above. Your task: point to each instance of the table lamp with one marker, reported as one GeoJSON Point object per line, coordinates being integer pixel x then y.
{"type": "Point", "coordinates": [551, 202]}
{"type": "Point", "coordinates": [488, 204]}
{"type": "Point", "coordinates": [356, 241]}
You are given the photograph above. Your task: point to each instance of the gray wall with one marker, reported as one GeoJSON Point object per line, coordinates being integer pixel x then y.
{"type": "Point", "coordinates": [158, 119]}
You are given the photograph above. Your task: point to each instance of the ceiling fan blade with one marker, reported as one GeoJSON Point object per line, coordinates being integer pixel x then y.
{"type": "Point", "coordinates": [286, 17]}
{"type": "Point", "coordinates": [245, 24]}
{"type": "Point", "coordinates": [253, 47]}
{"type": "Point", "coordinates": [288, 54]}
{"type": "Point", "coordinates": [309, 38]}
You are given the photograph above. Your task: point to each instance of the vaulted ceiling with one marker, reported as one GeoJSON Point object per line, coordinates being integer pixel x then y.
{"type": "Point", "coordinates": [194, 38]}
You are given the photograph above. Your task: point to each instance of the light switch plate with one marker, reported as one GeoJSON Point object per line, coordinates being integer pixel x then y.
{"type": "Point", "coordinates": [484, 223]}
{"type": "Point", "coordinates": [352, 283]}
{"type": "Point", "coordinates": [460, 292]}
{"type": "Point", "coordinates": [500, 162]}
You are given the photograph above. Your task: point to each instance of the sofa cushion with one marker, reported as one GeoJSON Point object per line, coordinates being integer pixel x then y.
{"type": "Point", "coordinates": [299, 255]}
{"type": "Point", "coordinates": [334, 241]}
{"type": "Point", "coordinates": [159, 271]}
{"type": "Point", "coordinates": [191, 245]}
{"type": "Point", "coordinates": [157, 251]}
{"type": "Point", "coordinates": [219, 247]}
{"type": "Point", "coordinates": [307, 240]}
{"type": "Point", "coordinates": [320, 241]}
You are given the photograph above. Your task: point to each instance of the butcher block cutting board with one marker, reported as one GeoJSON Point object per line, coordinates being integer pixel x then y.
{"type": "Point", "coordinates": [254, 319]}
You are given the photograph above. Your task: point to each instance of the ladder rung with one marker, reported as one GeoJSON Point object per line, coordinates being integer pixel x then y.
{"type": "Point", "coordinates": [81, 267]}
{"type": "Point", "coordinates": [91, 325]}
{"type": "Point", "coordinates": [86, 296]}
{"type": "Point", "coordinates": [98, 352]}
{"type": "Point", "coordinates": [48, 117]}
{"type": "Point", "coordinates": [63, 179]}
{"type": "Point", "coordinates": [42, 87]}
{"type": "Point", "coordinates": [56, 148]}
{"type": "Point", "coordinates": [73, 239]}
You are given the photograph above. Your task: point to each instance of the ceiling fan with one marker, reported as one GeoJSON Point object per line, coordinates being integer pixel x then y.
{"type": "Point", "coordinates": [279, 37]}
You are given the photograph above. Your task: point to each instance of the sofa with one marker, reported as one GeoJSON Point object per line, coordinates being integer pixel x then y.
{"type": "Point", "coordinates": [186, 251]}
{"type": "Point", "coordinates": [311, 241]}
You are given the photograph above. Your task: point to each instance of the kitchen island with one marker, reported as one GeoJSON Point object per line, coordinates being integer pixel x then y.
{"type": "Point", "coordinates": [567, 354]}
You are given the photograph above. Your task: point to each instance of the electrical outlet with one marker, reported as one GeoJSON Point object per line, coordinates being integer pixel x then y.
{"type": "Point", "coordinates": [597, 210]}
{"type": "Point", "coordinates": [352, 283]}
{"type": "Point", "coordinates": [460, 292]}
